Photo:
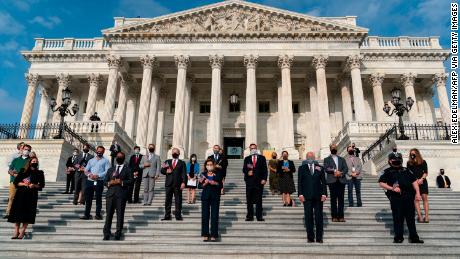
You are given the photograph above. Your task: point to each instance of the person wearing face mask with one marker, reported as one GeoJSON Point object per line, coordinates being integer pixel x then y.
{"type": "Point", "coordinates": [193, 169]}
{"type": "Point", "coordinates": [273, 177]}
{"type": "Point", "coordinates": [255, 176]}
{"type": "Point", "coordinates": [15, 167]}
{"type": "Point", "coordinates": [95, 170]}
{"type": "Point", "coordinates": [28, 182]}
{"type": "Point", "coordinates": [354, 176]}
{"type": "Point", "coordinates": [285, 171]}
{"type": "Point", "coordinates": [211, 180]}
{"type": "Point", "coordinates": [402, 189]}
{"type": "Point", "coordinates": [221, 162]}
{"type": "Point", "coordinates": [134, 165]}
{"type": "Point", "coordinates": [355, 149]}
{"type": "Point", "coordinates": [72, 161]}
{"type": "Point", "coordinates": [150, 165]}
{"type": "Point", "coordinates": [175, 171]}
{"type": "Point", "coordinates": [80, 177]}
{"type": "Point", "coordinates": [114, 149]}
{"type": "Point", "coordinates": [419, 168]}
{"type": "Point", "coordinates": [117, 180]}
{"type": "Point", "coordinates": [394, 151]}
{"type": "Point", "coordinates": [336, 170]}
{"type": "Point", "coordinates": [442, 180]}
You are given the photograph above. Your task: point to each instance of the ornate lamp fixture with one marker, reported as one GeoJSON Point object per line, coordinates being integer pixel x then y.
{"type": "Point", "coordinates": [399, 109]}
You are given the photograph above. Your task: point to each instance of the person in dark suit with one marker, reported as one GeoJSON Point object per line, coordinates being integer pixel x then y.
{"type": "Point", "coordinates": [114, 149]}
{"type": "Point", "coordinates": [118, 180]}
{"type": "Point", "coordinates": [176, 178]}
{"type": "Point", "coordinates": [442, 180]}
{"type": "Point", "coordinates": [312, 193]}
{"type": "Point", "coordinates": [255, 176]}
{"type": "Point", "coordinates": [221, 163]}
{"type": "Point", "coordinates": [80, 177]}
{"type": "Point", "coordinates": [336, 170]}
{"type": "Point", "coordinates": [70, 171]}
{"type": "Point", "coordinates": [211, 180]}
{"type": "Point", "coordinates": [134, 162]}
{"type": "Point", "coordinates": [285, 171]}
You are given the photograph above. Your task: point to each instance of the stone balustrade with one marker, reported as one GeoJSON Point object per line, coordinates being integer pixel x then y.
{"type": "Point", "coordinates": [402, 42]}
{"type": "Point", "coordinates": [70, 44]}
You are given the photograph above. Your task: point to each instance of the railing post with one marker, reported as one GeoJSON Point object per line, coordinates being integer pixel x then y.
{"type": "Point", "coordinates": [416, 131]}
{"type": "Point", "coordinates": [447, 131]}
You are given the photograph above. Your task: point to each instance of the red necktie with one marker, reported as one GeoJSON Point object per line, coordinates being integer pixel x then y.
{"type": "Point", "coordinates": [137, 158]}
{"type": "Point", "coordinates": [254, 161]}
{"type": "Point", "coordinates": [174, 164]}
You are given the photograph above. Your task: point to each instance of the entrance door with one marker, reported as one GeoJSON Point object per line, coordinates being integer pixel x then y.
{"type": "Point", "coordinates": [234, 147]}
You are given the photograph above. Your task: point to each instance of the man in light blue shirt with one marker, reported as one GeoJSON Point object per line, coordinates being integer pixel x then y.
{"type": "Point", "coordinates": [95, 170]}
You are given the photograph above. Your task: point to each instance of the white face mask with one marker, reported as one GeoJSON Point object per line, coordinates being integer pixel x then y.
{"type": "Point", "coordinates": [210, 167]}
{"type": "Point", "coordinates": [193, 159]}
{"type": "Point", "coordinates": [25, 152]}
{"type": "Point", "coordinates": [75, 153]}
{"type": "Point", "coordinates": [253, 151]}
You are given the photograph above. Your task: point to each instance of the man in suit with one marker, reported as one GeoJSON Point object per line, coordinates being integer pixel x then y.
{"type": "Point", "coordinates": [176, 178]}
{"type": "Point", "coordinates": [336, 169]}
{"type": "Point", "coordinates": [80, 177]}
{"type": "Point", "coordinates": [134, 162]}
{"type": "Point", "coordinates": [117, 180]}
{"type": "Point", "coordinates": [114, 149]}
{"type": "Point", "coordinates": [73, 160]}
{"type": "Point", "coordinates": [151, 165]}
{"type": "Point", "coordinates": [221, 163]}
{"type": "Point", "coordinates": [312, 193]}
{"type": "Point", "coordinates": [354, 176]}
{"type": "Point", "coordinates": [255, 176]}
{"type": "Point", "coordinates": [442, 180]}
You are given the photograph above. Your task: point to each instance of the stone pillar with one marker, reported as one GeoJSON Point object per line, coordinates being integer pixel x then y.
{"type": "Point", "coordinates": [319, 63]}
{"type": "Point", "coordinates": [215, 121]}
{"type": "Point", "coordinates": [440, 80]}
{"type": "Point", "coordinates": [159, 146]}
{"type": "Point", "coordinates": [250, 61]}
{"type": "Point", "coordinates": [182, 63]}
{"type": "Point", "coordinates": [43, 111]}
{"type": "Point", "coordinates": [187, 100]}
{"type": "Point", "coordinates": [347, 109]}
{"type": "Point", "coordinates": [285, 63]}
{"type": "Point", "coordinates": [407, 81]}
{"type": "Point", "coordinates": [376, 80]}
{"type": "Point", "coordinates": [157, 81]}
{"type": "Point", "coordinates": [279, 88]}
{"type": "Point", "coordinates": [130, 114]}
{"type": "Point", "coordinates": [64, 81]}
{"type": "Point", "coordinates": [148, 63]}
{"type": "Point", "coordinates": [122, 100]}
{"type": "Point", "coordinates": [114, 63]}
{"type": "Point", "coordinates": [32, 84]}
{"type": "Point", "coordinates": [314, 136]}
{"type": "Point", "coordinates": [95, 81]}
{"type": "Point", "coordinates": [354, 64]}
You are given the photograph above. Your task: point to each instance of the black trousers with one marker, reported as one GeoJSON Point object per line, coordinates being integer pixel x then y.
{"type": "Point", "coordinates": [80, 185]}
{"type": "Point", "coordinates": [134, 189]}
{"type": "Point", "coordinates": [254, 196]}
{"type": "Point", "coordinates": [70, 182]}
{"type": "Point", "coordinates": [313, 209]}
{"type": "Point", "coordinates": [89, 195]}
{"type": "Point", "coordinates": [116, 202]}
{"type": "Point", "coordinates": [357, 184]}
{"type": "Point", "coordinates": [210, 209]}
{"type": "Point", "coordinates": [170, 191]}
{"type": "Point", "coordinates": [337, 190]}
{"type": "Point", "coordinates": [402, 207]}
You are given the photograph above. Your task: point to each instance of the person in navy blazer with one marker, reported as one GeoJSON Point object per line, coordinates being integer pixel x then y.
{"type": "Point", "coordinates": [312, 193]}
{"type": "Point", "coordinates": [336, 170]}
{"type": "Point", "coordinates": [255, 175]}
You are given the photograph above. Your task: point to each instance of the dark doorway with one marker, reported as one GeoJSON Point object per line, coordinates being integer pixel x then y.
{"type": "Point", "coordinates": [234, 147]}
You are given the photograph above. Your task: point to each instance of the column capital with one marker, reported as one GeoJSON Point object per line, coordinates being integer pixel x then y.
{"type": "Point", "coordinates": [148, 61]}
{"type": "Point", "coordinates": [343, 77]}
{"type": "Point", "coordinates": [32, 79]}
{"type": "Point", "coordinates": [43, 91]}
{"type": "Point", "coordinates": [250, 61]}
{"type": "Point", "coordinates": [440, 79]}
{"type": "Point", "coordinates": [408, 79]}
{"type": "Point", "coordinates": [182, 61]}
{"type": "Point", "coordinates": [94, 79]}
{"type": "Point", "coordinates": [216, 61]}
{"type": "Point", "coordinates": [64, 79]}
{"type": "Point", "coordinates": [114, 61]}
{"type": "Point", "coordinates": [319, 62]}
{"type": "Point", "coordinates": [354, 62]}
{"type": "Point", "coordinates": [376, 79]}
{"type": "Point", "coordinates": [285, 61]}
{"type": "Point", "coordinates": [126, 79]}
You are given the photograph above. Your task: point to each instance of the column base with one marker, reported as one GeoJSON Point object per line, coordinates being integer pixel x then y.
{"type": "Point", "coordinates": [181, 156]}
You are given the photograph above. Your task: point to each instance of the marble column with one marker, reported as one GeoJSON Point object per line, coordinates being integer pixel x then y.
{"type": "Point", "coordinates": [376, 80]}
{"type": "Point", "coordinates": [408, 81]}
{"type": "Point", "coordinates": [354, 64]}
{"type": "Point", "coordinates": [347, 109]}
{"type": "Point", "coordinates": [279, 88]}
{"type": "Point", "coordinates": [131, 104]}
{"type": "Point", "coordinates": [148, 62]}
{"type": "Point", "coordinates": [27, 110]}
{"type": "Point", "coordinates": [95, 81]}
{"type": "Point", "coordinates": [157, 81]}
{"type": "Point", "coordinates": [114, 63]}
{"type": "Point", "coordinates": [182, 63]}
{"type": "Point", "coordinates": [215, 120]}
{"type": "Point", "coordinates": [159, 146]}
{"type": "Point", "coordinates": [187, 101]}
{"type": "Point", "coordinates": [319, 63]}
{"type": "Point", "coordinates": [64, 81]}
{"type": "Point", "coordinates": [440, 80]}
{"type": "Point", "coordinates": [250, 61]}
{"type": "Point", "coordinates": [314, 136]}
{"type": "Point", "coordinates": [285, 63]}
{"type": "Point", "coordinates": [122, 101]}
{"type": "Point", "coordinates": [43, 111]}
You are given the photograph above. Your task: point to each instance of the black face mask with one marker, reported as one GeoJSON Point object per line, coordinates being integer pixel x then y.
{"type": "Point", "coordinates": [151, 150]}
{"type": "Point", "coordinates": [333, 151]}
{"type": "Point", "coordinates": [175, 155]}
{"type": "Point", "coordinates": [395, 150]}
{"type": "Point", "coordinates": [442, 172]}
{"type": "Point", "coordinates": [274, 157]}
{"type": "Point", "coordinates": [100, 154]}
{"type": "Point", "coordinates": [351, 152]}
{"type": "Point", "coordinates": [120, 160]}
{"type": "Point", "coordinates": [34, 165]}
{"type": "Point", "coordinates": [412, 156]}
{"type": "Point", "coordinates": [86, 150]}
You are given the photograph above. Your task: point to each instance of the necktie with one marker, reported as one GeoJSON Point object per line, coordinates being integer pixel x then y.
{"type": "Point", "coordinates": [137, 158]}
{"type": "Point", "coordinates": [215, 158]}
{"type": "Point", "coordinates": [174, 163]}
{"type": "Point", "coordinates": [311, 169]}
{"type": "Point", "coordinates": [445, 182]}
{"type": "Point", "coordinates": [84, 156]}
{"type": "Point", "coordinates": [254, 161]}
{"type": "Point", "coordinates": [117, 172]}
{"type": "Point", "coordinates": [73, 159]}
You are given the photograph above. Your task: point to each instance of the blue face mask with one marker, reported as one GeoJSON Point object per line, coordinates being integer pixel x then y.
{"type": "Point", "coordinates": [310, 161]}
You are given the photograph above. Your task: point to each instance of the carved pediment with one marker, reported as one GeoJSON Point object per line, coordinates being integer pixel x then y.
{"type": "Point", "coordinates": [234, 18]}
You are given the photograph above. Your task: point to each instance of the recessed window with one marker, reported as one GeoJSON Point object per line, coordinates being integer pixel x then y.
{"type": "Point", "coordinates": [264, 107]}
{"type": "Point", "coordinates": [205, 107]}
{"type": "Point", "coordinates": [234, 107]}
{"type": "Point", "coordinates": [172, 107]}
{"type": "Point", "coordinates": [295, 108]}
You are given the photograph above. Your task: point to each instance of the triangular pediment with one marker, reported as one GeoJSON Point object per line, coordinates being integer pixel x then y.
{"type": "Point", "coordinates": [234, 18]}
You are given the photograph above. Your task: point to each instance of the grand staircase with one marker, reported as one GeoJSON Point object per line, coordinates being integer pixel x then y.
{"type": "Point", "coordinates": [59, 233]}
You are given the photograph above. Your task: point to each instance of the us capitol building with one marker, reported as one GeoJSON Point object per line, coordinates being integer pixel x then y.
{"type": "Point", "coordinates": [234, 73]}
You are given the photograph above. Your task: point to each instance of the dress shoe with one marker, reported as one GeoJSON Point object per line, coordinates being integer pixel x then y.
{"type": "Point", "coordinates": [87, 218]}
{"type": "Point", "coordinates": [179, 218]}
{"type": "Point", "coordinates": [166, 218]}
{"type": "Point", "coordinates": [310, 241]}
{"type": "Point", "coordinates": [249, 219]}
{"type": "Point", "coordinates": [75, 203]}
{"type": "Point", "coordinates": [117, 237]}
{"type": "Point", "coordinates": [106, 238]}
{"type": "Point", "coordinates": [319, 241]}
{"type": "Point", "coordinates": [261, 219]}
{"type": "Point", "coordinates": [334, 220]}
{"type": "Point", "coordinates": [416, 241]}
{"type": "Point", "coordinates": [65, 193]}
{"type": "Point", "coordinates": [98, 217]}
{"type": "Point", "coordinates": [360, 205]}
{"type": "Point", "coordinates": [398, 241]}
{"type": "Point", "coordinates": [341, 220]}
{"type": "Point", "coordinates": [350, 205]}
{"type": "Point", "coordinates": [213, 239]}
{"type": "Point", "coordinates": [5, 217]}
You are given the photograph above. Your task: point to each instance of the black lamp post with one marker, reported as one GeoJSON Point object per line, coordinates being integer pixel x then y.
{"type": "Point", "coordinates": [399, 110]}
{"type": "Point", "coordinates": [63, 109]}
{"type": "Point", "coordinates": [234, 98]}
